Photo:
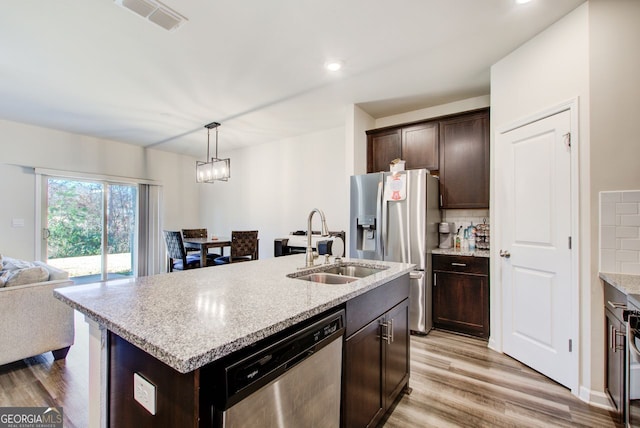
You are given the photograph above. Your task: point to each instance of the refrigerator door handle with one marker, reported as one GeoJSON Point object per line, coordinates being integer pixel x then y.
{"type": "Point", "coordinates": [416, 274]}
{"type": "Point", "coordinates": [379, 214]}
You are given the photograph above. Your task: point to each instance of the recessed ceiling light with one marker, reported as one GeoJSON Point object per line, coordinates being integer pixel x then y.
{"type": "Point", "coordinates": [333, 65]}
{"type": "Point", "coordinates": [522, 1]}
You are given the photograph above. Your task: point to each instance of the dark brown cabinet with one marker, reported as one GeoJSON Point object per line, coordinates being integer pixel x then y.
{"type": "Point", "coordinates": [615, 303]}
{"type": "Point", "coordinates": [382, 148]}
{"type": "Point", "coordinates": [396, 359]}
{"type": "Point", "coordinates": [376, 361]}
{"type": "Point", "coordinates": [420, 146]}
{"type": "Point", "coordinates": [464, 161]}
{"type": "Point", "coordinates": [461, 294]}
{"type": "Point", "coordinates": [455, 147]}
{"type": "Point", "coordinates": [416, 144]}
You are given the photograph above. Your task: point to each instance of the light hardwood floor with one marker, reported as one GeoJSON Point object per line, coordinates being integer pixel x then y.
{"type": "Point", "coordinates": [456, 381]}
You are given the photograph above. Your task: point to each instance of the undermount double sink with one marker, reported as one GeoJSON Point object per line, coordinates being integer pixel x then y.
{"type": "Point", "coordinates": [341, 274]}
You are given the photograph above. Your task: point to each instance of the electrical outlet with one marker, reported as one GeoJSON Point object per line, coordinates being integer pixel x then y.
{"type": "Point", "coordinates": [144, 392]}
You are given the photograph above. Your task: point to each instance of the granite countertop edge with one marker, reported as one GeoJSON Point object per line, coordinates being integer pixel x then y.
{"type": "Point", "coordinates": [626, 283]}
{"type": "Point", "coordinates": [468, 253]}
{"type": "Point", "coordinates": [193, 361]}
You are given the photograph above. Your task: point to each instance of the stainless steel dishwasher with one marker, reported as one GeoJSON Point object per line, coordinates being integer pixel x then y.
{"type": "Point", "coordinates": [294, 382]}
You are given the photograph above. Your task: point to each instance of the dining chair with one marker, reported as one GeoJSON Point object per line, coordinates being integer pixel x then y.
{"type": "Point", "coordinates": [244, 247]}
{"type": "Point", "coordinates": [196, 233]}
{"type": "Point", "coordinates": [178, 259]}
{"type": "Point", "coordinates": [193, 233]}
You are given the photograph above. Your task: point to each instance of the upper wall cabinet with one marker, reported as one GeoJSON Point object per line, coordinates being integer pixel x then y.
{"type": "Point", "coordinates": [382, 148]}
{"type": "Point", "coordinates": [464, 161]}
{"type": "Point", "coordinates": [420, 146]}
{"type": "Point", "coordinates": [416, 144]}
{"type": "Point", "coordinates": [455, 147]}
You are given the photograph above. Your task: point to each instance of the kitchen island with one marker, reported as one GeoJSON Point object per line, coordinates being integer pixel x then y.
{"type": "Point", "coordinates": [186, 321]}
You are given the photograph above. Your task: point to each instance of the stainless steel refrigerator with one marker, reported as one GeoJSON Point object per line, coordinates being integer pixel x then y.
{"type": "Point", "coordinates": [395, 218]}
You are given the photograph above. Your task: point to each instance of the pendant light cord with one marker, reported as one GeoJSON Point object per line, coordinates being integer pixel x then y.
{"type": "Point", "coordinates": [208, 131]}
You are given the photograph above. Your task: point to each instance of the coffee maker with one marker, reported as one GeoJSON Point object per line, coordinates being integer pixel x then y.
{"type": "Point", "coordinates": [446, 234]}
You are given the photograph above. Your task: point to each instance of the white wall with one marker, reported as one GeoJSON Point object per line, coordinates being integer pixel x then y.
{"type": "Point", "coordinates": [435, 111]}
{"type": "Point", "coordinates": [274, 186]}
{"type": "Point", "coordinates": [23, 147]}
{"type": "Point", "coordinates": [546, 71]}
{"type": "Point", "coordinates": [614, 61]}
{"type": "Point", "coordinates": [357, 122]}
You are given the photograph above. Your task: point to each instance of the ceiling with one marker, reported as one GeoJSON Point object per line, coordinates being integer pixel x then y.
{"type": "Point", "coordinates": [92, 67]}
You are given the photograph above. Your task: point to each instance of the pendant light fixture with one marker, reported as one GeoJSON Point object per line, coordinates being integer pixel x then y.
{"type": "Point", "coordinates": [216, 169]}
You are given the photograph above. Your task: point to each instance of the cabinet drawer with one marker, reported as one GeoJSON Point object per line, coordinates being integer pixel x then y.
{"type": "Point", "coordinates": [368, 306]}
{"type": "Point", "coordinates": [614, 300]}
{"type": "Point", "coordinates": [462, 264]}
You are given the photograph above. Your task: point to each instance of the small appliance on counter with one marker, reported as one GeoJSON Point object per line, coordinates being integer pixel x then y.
{"type": "Point", "coordinates": [446, 238]}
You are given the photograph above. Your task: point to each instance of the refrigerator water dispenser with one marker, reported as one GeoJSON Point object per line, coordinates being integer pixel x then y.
{"type": "Point", "coordinates": [366, 233]}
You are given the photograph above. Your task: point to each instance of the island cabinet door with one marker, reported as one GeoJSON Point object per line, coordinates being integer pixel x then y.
{"type": "Point", "coordinates": [362, 399]}
{"type": "Point", "coordinates": [176, 394]}
{"type": "Point", "coordinates": [396, 364]}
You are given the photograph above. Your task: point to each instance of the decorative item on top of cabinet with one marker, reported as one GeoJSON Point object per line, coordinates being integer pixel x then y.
{"type": "Point", "coordinates": [464, 161]}
{"type": "Point", "coordinates": [461, 294]}
{"type": "Point", "coordinates": [416, 144]}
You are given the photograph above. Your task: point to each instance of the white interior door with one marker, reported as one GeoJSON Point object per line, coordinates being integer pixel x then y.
{"type": "Point", "coordinates": [535, 207]}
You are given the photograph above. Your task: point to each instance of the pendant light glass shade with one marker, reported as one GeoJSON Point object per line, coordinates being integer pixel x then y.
{"type": "Point", "coordinates": [216, 169]}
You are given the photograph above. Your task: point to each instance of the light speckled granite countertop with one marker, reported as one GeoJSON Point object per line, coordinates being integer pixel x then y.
{"type": "Point", "coordinates": [628, 284]}
{"type": "Point", "coordinates": [189, 319]}
{"type": "Point", "coordinates": [454, 252]}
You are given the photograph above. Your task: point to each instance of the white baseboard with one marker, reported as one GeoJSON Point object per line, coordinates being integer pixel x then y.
{"type": "Point", "coordinates": [595, 398]}
{"type": "Point", "coordinates": [493, 345]}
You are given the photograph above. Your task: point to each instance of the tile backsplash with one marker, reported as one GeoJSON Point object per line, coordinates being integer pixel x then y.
{"type": "Point", "coordinates": [620, 232]}
{"type": "Point", "coordinates": [464, 218]}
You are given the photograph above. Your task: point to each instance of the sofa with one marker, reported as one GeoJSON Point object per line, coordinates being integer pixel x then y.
{"type": "Point", "coordinates": [32, 320]}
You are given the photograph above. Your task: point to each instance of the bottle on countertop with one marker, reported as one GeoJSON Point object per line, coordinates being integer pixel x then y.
{"type": "Point", "coordinates": [471, 239]}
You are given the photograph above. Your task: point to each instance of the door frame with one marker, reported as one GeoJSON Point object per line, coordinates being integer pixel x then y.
{"type": "Point", "coordinates": [496, 308]}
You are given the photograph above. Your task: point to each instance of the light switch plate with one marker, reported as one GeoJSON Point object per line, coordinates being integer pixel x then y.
{"type": "Point", "coordinates": [144, 392]}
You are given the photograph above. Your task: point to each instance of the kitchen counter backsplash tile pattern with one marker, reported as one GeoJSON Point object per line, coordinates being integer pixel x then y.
{"type": "Point", "coordinates": [464, 218]}
{"type": "Point", "coordinates": [620, 232]}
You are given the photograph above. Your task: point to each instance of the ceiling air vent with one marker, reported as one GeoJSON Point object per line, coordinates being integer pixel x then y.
{"type": "Point", "coordinates": [155, 12]}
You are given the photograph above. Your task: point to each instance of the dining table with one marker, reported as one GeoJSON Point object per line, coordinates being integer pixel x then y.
{"type": "Point", "coordinates": [205, 243]}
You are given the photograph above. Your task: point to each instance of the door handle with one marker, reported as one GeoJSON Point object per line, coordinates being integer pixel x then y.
{"type": "Point", "coordinates": [611, 337]}
{"type": "Point", "coordinates": [379, 219]}
{"type": "Point", "coordinates": [616, 305]}
{"type": "Point", "coordinates": [386, 331]}
{"type": "Point", "coordinates": [505, 254]}
{"type": "Point", "coordinates": [618, 333]}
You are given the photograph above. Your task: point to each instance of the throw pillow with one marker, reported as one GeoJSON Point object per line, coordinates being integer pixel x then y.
{"type": "Point", "coordinates": [15, 264]}
{"type": "Point", "coordinates": [4, 276]}
{"type": "Point", "coordinates": [27, 276]}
